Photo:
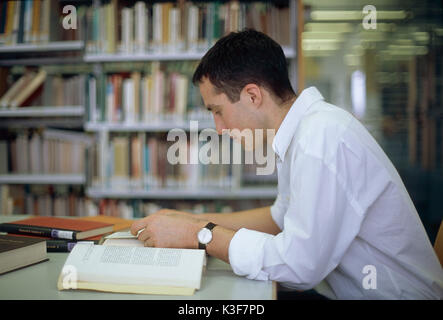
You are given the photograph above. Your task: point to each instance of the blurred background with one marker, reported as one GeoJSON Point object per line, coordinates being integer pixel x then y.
{"type": "Point", "coordinates": [390, 76]}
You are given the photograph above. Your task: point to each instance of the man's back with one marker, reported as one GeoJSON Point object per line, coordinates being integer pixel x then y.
{"type": "Point", "coordinates": [391, 256]}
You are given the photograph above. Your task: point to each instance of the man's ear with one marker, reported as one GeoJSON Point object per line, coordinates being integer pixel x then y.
{"type": "Point", "coordinates": [251, 94]}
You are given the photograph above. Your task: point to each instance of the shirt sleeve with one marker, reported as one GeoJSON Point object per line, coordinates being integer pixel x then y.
{"type": "Point", "coordinates": [278, 210]}
{"type": "Point", "coordinates": [320, 223]}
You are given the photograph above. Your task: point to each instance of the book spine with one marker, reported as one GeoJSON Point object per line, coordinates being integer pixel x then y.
{"type": "Point", "coordinates": [38, 231]}
{"type": "Point", "coordinates": [59, 245]}
{"type": "Point", "coordinates": [21, 22]}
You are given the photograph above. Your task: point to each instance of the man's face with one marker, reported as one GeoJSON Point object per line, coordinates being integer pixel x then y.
{"type": "Point", "coordinates": [227, 115]}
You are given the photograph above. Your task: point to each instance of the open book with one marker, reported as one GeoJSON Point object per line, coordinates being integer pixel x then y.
{"type": "Point", "coordinates": [131, 269]}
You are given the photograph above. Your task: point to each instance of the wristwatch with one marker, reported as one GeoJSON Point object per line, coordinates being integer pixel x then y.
{"type": "Point", "coordinates": [205, 235]}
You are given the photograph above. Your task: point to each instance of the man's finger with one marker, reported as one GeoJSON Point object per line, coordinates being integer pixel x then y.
{"type": "Point", "coordinates": [143, 235]}
{"type": "Point", "coordinates": [138, 225]}
{"type": "Point", "coordinates": [149, 243]}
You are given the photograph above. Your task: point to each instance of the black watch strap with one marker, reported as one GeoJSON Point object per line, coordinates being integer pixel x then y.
{"type": "Point", "coordinates": [209, 226]}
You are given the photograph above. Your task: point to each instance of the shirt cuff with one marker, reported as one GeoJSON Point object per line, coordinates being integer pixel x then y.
{"type": "Point", "coordinates": [246, 252]}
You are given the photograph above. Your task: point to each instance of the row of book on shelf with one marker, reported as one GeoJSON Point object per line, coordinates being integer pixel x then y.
{"type": "Point", "coordinates": [117, 97]}
{"type": "Point", "coordinates": [60, 200]}
{"type": "Point", "coordinates": [140, 161]}
{"type": "Point", "coordinates": [113, 27]}
{"type": "Point", "coordinates": [135, 97]}
{"type": "Point", "coordinates": [35, 22]}
{"type": "Point", "coordinates": [38, 88]}
{"type": "Point", "coordinates": [178, 26]}
{"type": "Point", "coordinates": [123, 161]}
{"type": "Point", "coordinates": [44, 151]}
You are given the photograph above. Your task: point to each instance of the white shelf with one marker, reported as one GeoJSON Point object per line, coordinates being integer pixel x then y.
{"type": "Point", "coordinates": [160, 126]}
{"type": "Point", "coordinates": [43, 47]}
{"type": "Point", "coordinates": [65, 111]}
{"type": "Point", "coordinates": [66, 179]}
{"type": "Point", "coordinates": [110, 57]}
{"type": "Point", "coordinates": [207, 193]}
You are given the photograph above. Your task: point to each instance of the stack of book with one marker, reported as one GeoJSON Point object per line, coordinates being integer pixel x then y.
{"type": "Point", "coordinates": [174, 27]}
{"type": "Point", "coordinates": [19, 252]}
{"type": "Point", "coordinates": [62, 234]}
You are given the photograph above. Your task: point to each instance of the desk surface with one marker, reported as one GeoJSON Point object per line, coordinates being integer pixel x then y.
{"type": "Point", "coordinates": [39, 281]}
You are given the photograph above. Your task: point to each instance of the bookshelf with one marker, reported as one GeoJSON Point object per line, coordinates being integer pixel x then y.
{"type": "Point", "coordinates": [70, 179]}
{"type": "Point", "coordinates": [101, 53]}
{"type": "Point", "coordinates": [200, 193]}
{"type": "Point", "coordinates": [43, 111]}
{"type": "Point", "coordinates": [49, 47]}
{"type": "Point", "coordinates": [159, 126]}
{"type": "Point", "coordinates": [177, 56]}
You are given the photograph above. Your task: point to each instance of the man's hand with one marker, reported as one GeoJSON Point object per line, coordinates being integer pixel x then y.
{"type": "Point", "coordinates": [169, 229]}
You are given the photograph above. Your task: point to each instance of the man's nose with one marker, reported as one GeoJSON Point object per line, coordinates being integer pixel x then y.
{"type": "Point", "coordinates": [219, 126]}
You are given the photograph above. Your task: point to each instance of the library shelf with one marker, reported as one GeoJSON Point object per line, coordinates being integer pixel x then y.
{"type": "Point", "coordinates": [185, 193]}
{"type": "Point", "coordinates": [160, 56]}
{"type": "Point", "coordinates": [43, 111]}
{"type": "Point", "coordinates": [43, 47]}
{"type": "Point", "coordinates": [160, 126]}
{"type": "Point", "coordinates": [64, 179]}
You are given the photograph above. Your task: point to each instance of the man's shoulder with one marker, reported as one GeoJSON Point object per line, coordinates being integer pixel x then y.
{"type": "Point", "coordinates": [325, 115]}
{"type": "Point", "coordinates": [324, 123]}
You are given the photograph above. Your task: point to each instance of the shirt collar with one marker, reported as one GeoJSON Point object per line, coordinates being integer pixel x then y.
{"type": "Point", "coordinates": [287, 128]}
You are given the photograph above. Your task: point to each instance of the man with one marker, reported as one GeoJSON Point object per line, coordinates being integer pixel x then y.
{"type": "Point", "coordinates": [342, 214]}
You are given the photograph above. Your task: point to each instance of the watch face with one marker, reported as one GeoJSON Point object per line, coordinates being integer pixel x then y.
{"type": "Point", "coordinates": [204, 236]}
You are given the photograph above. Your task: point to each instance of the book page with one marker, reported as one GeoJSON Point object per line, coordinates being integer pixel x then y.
{"type": "Point", "coordinates": [121, 235]}
{"type": "Point", "coordinates": [125, 242]}
{"type": "Point", "coordinates": [136, 265]}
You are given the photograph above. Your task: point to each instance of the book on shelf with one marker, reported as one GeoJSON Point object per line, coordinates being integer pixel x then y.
{"type": "Point", "coordinates": [18, 252]}
{"type": "Point", "coordinates": [139, 161]}
{"type": "Point", "coordinates": [135, 97]}
{"type": "Point", "coordinates": [45, 151]}
{"type": "Point", "coordinates": [57, 228]}
{"type": "Point", "coordinates": [37, 22]}
{"type": "Point", "coordinates": [40, 88]}
{"type": "Point", "coordinates": [130, 269]}
{"type": "Point", "coordinates": [45, 200]}
{"type": "Point", "coordinates": [176, 27]}
{"type": "Point", "coordinates": [23, 89]}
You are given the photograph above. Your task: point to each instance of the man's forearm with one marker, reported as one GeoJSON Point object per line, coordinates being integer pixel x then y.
{"type": "Point", "coordinates": [259, 219]}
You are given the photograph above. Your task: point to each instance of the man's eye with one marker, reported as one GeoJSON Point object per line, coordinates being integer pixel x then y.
{"type": "Point", "coordinates": [218, 113]}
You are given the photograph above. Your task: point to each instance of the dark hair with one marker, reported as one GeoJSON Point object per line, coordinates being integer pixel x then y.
{"type": "Point", "coordinates": [245, 57]}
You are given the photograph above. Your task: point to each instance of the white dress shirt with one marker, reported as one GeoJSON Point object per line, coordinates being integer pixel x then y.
{"type": "Point", "coordinates": [347, 221]}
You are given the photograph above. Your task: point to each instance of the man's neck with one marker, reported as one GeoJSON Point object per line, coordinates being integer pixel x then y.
{"type": "Point", "coordinates": [282, 111]}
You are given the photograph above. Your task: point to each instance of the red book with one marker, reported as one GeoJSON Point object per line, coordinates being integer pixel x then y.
{"type": "Point", "coordinates": [57, 228]}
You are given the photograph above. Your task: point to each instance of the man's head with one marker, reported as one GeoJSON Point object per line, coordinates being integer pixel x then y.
{"type": "Point", "coordinates": [241, 77]}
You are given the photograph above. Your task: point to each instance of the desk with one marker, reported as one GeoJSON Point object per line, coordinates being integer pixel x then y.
{"type": "Point", "coordinates": [39, 281]}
